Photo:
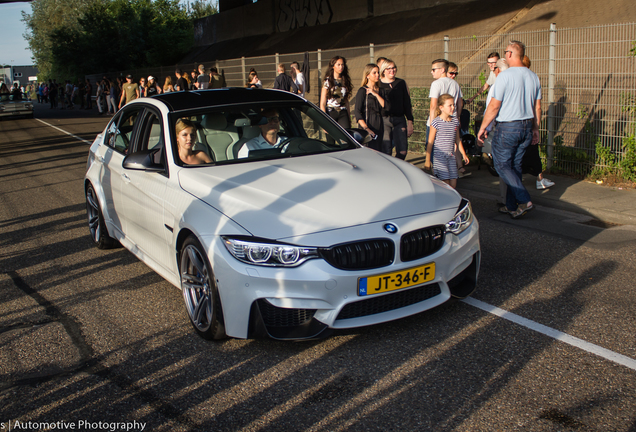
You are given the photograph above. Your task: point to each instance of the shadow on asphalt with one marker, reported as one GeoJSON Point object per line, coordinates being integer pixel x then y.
{"type": "Point", "coordinates": [439, 370]}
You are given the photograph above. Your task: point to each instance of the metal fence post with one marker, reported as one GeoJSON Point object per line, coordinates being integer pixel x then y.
{"type": "Point", "coordinates": [319, 69]}
{"type": "Point", "coordinates": [446, 46]}
{"type": "Point", "coordinates": [277, 63]}
{"type": "Point", "coordinates": [551, 107]}
{"type": "Point", "coordinates": [243, 67]}
{"type": "Point", "coordinates": [319, 74]}
{"type": "Point", "coordinates": [371, 53]}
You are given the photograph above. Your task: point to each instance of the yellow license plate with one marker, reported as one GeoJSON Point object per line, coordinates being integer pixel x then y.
{"type": "Point", "coordinates": [396, 280]}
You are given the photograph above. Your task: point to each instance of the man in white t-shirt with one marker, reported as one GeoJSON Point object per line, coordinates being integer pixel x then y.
{"type": "Point", "coordinates": [442, 85]}
{"type": "Point", "coordinates": [491, 61]}
{"type": "Point", "coordinates": [299, 78]}
{"type": "Point", "coordinates": [268, 138]}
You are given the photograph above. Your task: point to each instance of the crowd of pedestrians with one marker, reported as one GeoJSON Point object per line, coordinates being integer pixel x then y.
{"type": "Point", "coordinates": [110, 95]}
{"type": "Point", "coordinates": [382, 107]}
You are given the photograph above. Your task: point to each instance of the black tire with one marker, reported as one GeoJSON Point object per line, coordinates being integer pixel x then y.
{"type": "Point", "coordinates": [96, 225]}
{"type": "Point", "coordinates": [200, 293]}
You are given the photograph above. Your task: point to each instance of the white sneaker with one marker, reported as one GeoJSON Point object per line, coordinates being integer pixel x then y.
{"type": "Point", "coordinates": [544, 183]}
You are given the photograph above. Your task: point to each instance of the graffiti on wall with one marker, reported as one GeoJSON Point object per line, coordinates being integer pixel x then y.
{"type": "Point", "coordinates": [303, 13]}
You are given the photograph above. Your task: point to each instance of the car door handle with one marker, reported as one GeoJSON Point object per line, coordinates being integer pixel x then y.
{"type": "Point", "coordinates": [100, 158]}
{"type": "Point", "coordinates": [125, 177]}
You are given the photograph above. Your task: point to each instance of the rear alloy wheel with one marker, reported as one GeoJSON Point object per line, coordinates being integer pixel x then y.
{"type": "Point", "coordinates": [96, 224]}
{"type": "Point", "coordinates": [200, 292]}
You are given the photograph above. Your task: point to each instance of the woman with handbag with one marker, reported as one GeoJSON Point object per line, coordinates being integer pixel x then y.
{"type": "Point", "coordinates": [370, 100]}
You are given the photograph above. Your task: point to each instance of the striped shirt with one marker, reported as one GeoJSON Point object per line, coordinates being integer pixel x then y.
{"type": "Point", "coordinates": [445, 135]}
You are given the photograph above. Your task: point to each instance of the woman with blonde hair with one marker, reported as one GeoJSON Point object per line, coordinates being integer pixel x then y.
{"type": "Point", "coordinates": [369, 103]}
{"type": "Point", "coordinates": [398, 120]}
{"type": "Point", "coordinates": [167, 85]}
{"type": "Point", "coordinates": [186, 138]}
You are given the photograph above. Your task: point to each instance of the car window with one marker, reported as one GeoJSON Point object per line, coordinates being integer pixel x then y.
{"type": "Point", "coordinates": [246, 134]}
{"type": "Point", "coordinates": [151, 138]}
{"type": "Point", "coordinates": [152, 134]}
{"type": "Point", "coordinates": [120, 130]}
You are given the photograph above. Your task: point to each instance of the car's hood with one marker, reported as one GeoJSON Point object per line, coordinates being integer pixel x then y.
{"type": "Point", "coordinates": [294, 196]}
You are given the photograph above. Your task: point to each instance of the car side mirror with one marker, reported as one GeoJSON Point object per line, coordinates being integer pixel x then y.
{"type": "Point", "coordinates": [360, 135]}
{"type": "Point", "coordinates": [144, 160]}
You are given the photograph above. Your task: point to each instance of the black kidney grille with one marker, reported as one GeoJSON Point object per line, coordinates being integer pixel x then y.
{"type": "Point", "coordinates": [420, 243]}
{"type": "Point", "coordinates": [274, 316]}
{"type": "Point", "coordinates": [378, 304]}
{"type": "Point", "coordinates": [362, 255]}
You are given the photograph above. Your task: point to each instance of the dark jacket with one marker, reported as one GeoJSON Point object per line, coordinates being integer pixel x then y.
{"type": "Point", "coordinates": [285, 82]}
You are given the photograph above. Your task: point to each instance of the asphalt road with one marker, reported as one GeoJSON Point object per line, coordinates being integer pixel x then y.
{"type": "Point", "coordinates": [90, 336]}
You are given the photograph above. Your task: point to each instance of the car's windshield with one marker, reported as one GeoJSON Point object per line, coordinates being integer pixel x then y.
{"type": "Point", "coordinates": [245, 134]}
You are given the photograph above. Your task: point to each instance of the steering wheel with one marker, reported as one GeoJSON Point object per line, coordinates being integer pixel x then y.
{"type": "Point", "coordinates": [281, 145]}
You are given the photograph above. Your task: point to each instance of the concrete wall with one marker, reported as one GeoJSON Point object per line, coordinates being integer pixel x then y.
{"type": "Point", "coordinates": [249, 20]}
{"type": "Point", "coordinates": [292, 14]}
{"type": "Point", "coordinates": [267, 17]}
{"type": "Point", "coordinates": [386, 7]}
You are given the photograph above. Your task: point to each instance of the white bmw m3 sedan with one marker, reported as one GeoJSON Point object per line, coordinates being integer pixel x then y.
{"type": "Point", "coordinates": [273, 220]}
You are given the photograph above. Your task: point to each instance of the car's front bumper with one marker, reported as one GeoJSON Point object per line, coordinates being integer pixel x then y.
{"type": "Point", "coordinates": [300, 302]}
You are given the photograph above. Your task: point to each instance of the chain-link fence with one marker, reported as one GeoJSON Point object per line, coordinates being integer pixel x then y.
{"type": "Point", "coordinates": [587, 74]}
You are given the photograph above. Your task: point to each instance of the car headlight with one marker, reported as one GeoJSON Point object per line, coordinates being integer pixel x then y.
{"type": "Point", "coordinates": [28, 106]}
{"type": "Point", "coordinates": [268, 254]}
{"type": "Point", "coordinates": [462, 220]}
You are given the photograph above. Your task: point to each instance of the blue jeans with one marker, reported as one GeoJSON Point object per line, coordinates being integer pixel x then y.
{"type": "Point", "coordinates": [509, 144]}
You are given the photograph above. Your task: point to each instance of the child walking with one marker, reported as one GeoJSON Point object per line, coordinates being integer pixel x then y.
{"type": "Point", "coordinates": [444, 136]}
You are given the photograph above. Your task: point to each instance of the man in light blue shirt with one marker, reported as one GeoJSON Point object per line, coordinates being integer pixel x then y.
{"type": "Point", "coordinates": [516, 108]}
{"type": "Point", "coordinates": [268, 138]}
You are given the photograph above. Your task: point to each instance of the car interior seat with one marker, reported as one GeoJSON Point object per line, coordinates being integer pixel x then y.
{"type": "Point", "coordinates": [216, 135]}
{"type": "Point", "coordinates": [249, 132]}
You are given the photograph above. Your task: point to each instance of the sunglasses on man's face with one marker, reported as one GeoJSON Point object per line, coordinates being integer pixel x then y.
{"type": "Point", "coordinates": [453, 73]}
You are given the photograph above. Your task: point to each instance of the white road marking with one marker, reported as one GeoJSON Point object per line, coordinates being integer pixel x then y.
{"type": "Point", "coordinates": [63, 131]}
{"type": "Point", "coordinates": [556, 334]}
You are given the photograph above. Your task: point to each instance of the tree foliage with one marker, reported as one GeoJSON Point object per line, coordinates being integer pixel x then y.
{"type": "Point", "coordinates": [46, 17]}
{"type": "Point", "coordinates": [202, 8]}
{"type": "Point", "coordinates": [71, 38]}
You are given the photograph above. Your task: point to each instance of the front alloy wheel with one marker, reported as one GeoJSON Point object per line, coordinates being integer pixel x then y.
{"type": "Point", "coordinates": [200, 293]}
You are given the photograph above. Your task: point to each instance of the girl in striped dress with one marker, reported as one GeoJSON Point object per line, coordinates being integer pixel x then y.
{"type": "Point", "coordinates": [444, 136]}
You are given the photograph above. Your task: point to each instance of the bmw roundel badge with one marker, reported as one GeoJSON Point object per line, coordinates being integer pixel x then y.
{"type": "Point", "coordinates": [390, 228]}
